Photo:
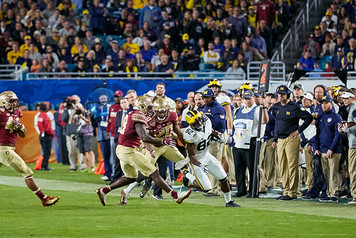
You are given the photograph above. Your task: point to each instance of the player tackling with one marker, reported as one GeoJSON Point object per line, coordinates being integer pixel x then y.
{"type": "Point", "coordinates": [132, 160]}
{"type": "Point", "coordinates": [198, 136]}
{"type": "Point", "coordinates": [10, 127]}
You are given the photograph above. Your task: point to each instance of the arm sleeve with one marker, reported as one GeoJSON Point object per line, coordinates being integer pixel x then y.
{"type": "Point", "coordinates": [338, 136]}
{"type": "Point", "coordinates": [65, 116]}
{"type": "Point", "coordinates": [306, 117]}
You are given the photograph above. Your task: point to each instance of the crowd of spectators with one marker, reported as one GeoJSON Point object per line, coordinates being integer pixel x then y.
{"type": "Point", "coordinates": [331, 47]}
{"type": "Point", "coordinates": [135, 36]}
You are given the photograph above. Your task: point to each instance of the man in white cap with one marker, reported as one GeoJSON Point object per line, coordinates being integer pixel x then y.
{"type": "Point", "coordinates": [307, 134]}
{"type": "Point", "coordinates": [349, 127]}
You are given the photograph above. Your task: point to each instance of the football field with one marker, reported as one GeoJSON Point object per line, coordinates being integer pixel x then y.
{"type": "Point", "coordinates": [80, 214]}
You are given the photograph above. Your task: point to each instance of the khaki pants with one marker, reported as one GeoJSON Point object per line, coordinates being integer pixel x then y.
{"type": "Point", "coordinates": [309, 166]}
{"type": "Point", "coordinates": [288, 160]}
{"type": "Point", "coordinates": [216, 150]}
{"type": "Point", "coordinates": [9, 158]}
{"type": "Point", "coordinates": [230, 161]}
{"type": "Point", "coordinates": [268, 164]}
{"type": "Point", "coordinates": [132, 160]}
{"type": "Point", "coordinates": [331, 173]}
{"type": "Point", "coordinates": [352, 171]}
{"type": "Point", "coordinates": [73, 153]}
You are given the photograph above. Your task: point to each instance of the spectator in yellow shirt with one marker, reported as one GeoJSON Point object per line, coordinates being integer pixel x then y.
{"type": "Point", "coordinates": [78, 42]}
{"type": "Point", "coordinates": [14, 54]}
{"type": "Point", "coordinates": [134, 47]}
{"type": "Point", "coordinates": [26, 45]}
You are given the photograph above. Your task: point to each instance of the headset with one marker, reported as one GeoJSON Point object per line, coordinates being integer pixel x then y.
{"type": "Point", "coordinates": [281, 88]}
{"type": "Point", "coordinates": [323, 87]}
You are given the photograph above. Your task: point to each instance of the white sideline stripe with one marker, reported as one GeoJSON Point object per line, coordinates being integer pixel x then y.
{"type": "Point", "coordinates": [47, 184]}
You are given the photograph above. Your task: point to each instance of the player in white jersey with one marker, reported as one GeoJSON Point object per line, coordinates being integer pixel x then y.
{"type": "Point", "coordinates": [197, 136]}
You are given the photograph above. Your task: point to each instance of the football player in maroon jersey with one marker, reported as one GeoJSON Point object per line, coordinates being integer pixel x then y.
{"type": "Point", "coordinates": [132, 160]}
{"type": "Point", "coordinates": [10, 127]}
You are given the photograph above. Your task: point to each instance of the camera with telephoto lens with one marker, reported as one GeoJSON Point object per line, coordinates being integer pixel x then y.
{"type": "Point", "coordinates": [77, 132]}
{"type": "Point", "coordinates": [69, 102]}
{"type": "Point", "coordinates": [78, 111]}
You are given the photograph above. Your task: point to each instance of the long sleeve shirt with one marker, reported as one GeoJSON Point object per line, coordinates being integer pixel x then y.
{"type": "Point", "coordinates": [216, 114]}
{"type": "Point", "coordinates": [44, 124]}
{"type": "Point", "coordinates": [113, 110]}
{"type": "Point", "coordinates": [287, 119]}
{"type": "Point", "coordinates": [327, 136]}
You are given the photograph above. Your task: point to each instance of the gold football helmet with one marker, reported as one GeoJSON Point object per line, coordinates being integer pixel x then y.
{"type": "Point", "coordinates": [160, 108]}
{"type": "Point", "coordinates": [142, 103]}
{"type": "Point", "coordinates": [9, 100]}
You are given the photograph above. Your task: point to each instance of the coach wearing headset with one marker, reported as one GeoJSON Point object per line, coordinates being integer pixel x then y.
{"type": "Point", "coordinates": [287, 133]}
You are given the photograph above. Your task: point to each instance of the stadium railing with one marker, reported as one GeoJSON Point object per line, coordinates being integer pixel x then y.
{"type": "Point", "coordinates": [11, 72]}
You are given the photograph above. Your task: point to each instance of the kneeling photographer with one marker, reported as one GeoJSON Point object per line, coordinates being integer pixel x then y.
{"type": "Point", "coordinates": [84, 136]}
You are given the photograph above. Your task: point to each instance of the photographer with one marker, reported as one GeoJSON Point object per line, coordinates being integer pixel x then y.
{"type": "Point", "coordinates": [84, 136]}
{"type": "Point", "coordinates": [69, 130]}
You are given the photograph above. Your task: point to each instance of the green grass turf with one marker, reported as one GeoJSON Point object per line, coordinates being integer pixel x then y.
{"type": "Point", "coordinates": [80, 214]}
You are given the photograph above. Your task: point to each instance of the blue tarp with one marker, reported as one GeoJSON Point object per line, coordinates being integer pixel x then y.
{"type": "Point", "coordinates": [55, 90]}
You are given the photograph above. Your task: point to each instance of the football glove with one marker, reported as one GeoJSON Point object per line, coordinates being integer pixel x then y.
{"type": "Point", "coordinates": [152, 153]}
{"type": "Point", "coordinates": [229, 140]}
{"type": "Point", "coordinates": [204, 168]}
{"type": "Point", "coordinates": [169, 141]}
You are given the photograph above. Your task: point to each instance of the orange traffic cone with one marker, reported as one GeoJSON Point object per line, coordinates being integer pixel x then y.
{"type": "Point", "coordinates": [39, 163]}
{"type": "Point", "coordinates": [100, 169]}
{"type": "Point", "coordinates": [180, 177]}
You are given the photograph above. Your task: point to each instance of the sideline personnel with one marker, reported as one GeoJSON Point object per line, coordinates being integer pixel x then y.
{"type": "Point", "coordinates": [287, 131]}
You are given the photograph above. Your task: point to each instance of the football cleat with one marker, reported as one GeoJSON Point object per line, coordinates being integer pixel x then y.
{"type": "Point", "coordinates": [146, 187]}
{"type": "Point", "coordinates": [232, 204]}
{"type": "Point", "coordinates": [352, 202]}
{"type": "Point", "coordinates": [49, 201]}
{"type": "Point", "coordinates": [124, 198]}
{"type": "Point", "coordinates": [182, 196]}
{"type": "Point", "coordinates": [101, 195]}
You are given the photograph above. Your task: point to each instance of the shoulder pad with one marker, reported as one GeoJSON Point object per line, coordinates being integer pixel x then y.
{"type": "Point", "coordinates": [139, 117]}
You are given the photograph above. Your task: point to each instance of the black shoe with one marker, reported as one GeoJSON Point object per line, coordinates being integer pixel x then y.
{"type": "Point", "coordinates": [279, 198]}
{"type": "Point", "coordinates": [250, 196]}
{"type": "Point", "coordinates": [146, 187]}
{"type": "Point", "coordinates": [237, 195]}
{"type": "Point", "coordinates": [232, 204]}
{"type": "Point", "coordinates": [158, 197]}
{"type": "Point", "coordinates": [210, 195]}
{"type": "Point", "coordinates": [73, 170]}
{"type": "Point", "coordinates": [287, 198]}
{"type": "Point", "coordinates": [47, 169]}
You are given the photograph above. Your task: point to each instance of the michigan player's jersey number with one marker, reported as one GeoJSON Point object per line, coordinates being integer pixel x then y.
{"type": "Point", "coordinates": [204, 144]}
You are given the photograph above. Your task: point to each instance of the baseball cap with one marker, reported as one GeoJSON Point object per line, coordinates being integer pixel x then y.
{"type": "Point", "coordinates": [97, 41]}
{"type": "Point", "coordinates": [251, 7]}
{"type": "Point", "coordinates": [190, 48]}
{"type": "Point", "coordinates": [308, 49]}
{"type": "Point", "coordinates": [347, 95]}
{"type": "Point", "coordinates": [340, 50]}
{"type": "Point", "coordinates": [307, 96]}
{"type": "Point", "coordinates": [179, 100]}
{"type": "Point", "coordinates": [317, 28]}
{"type": "Point", "coordinates": [151, 93]}
{"type": "Point", "coordinates": [118, 93]}
{"type": "Point", "coordinates": [96, 66]}
{"type": "Point", "coordinates": [282, 89]}
{"type": "Point", "coordinates": [114, 41]}
{"type": "Point", "coordinates": [327, 99]}
{"type": "Point", "coordinates": [185, 36]}
{"type": "Point", "coordinates": [167, 36]}
{"type": "Point", "coordinates": [257, 94]}
{"type": "Point", "coordinates": [27, 37]}
{"type": "Point", "coordinates": [328, 14]}
{"type": "Point", "coordinates": [54, 30]}
{"type": "Point", "coordinates": [298, 85]}
{"type": "Point", "coordinates": [248, 94]}
{"type": "Point", "coordinates": [85, 12]}
{"type": "Point", "coordinates": [208, 93]}
{"type": "Point", "coordinates": [270, 94]}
